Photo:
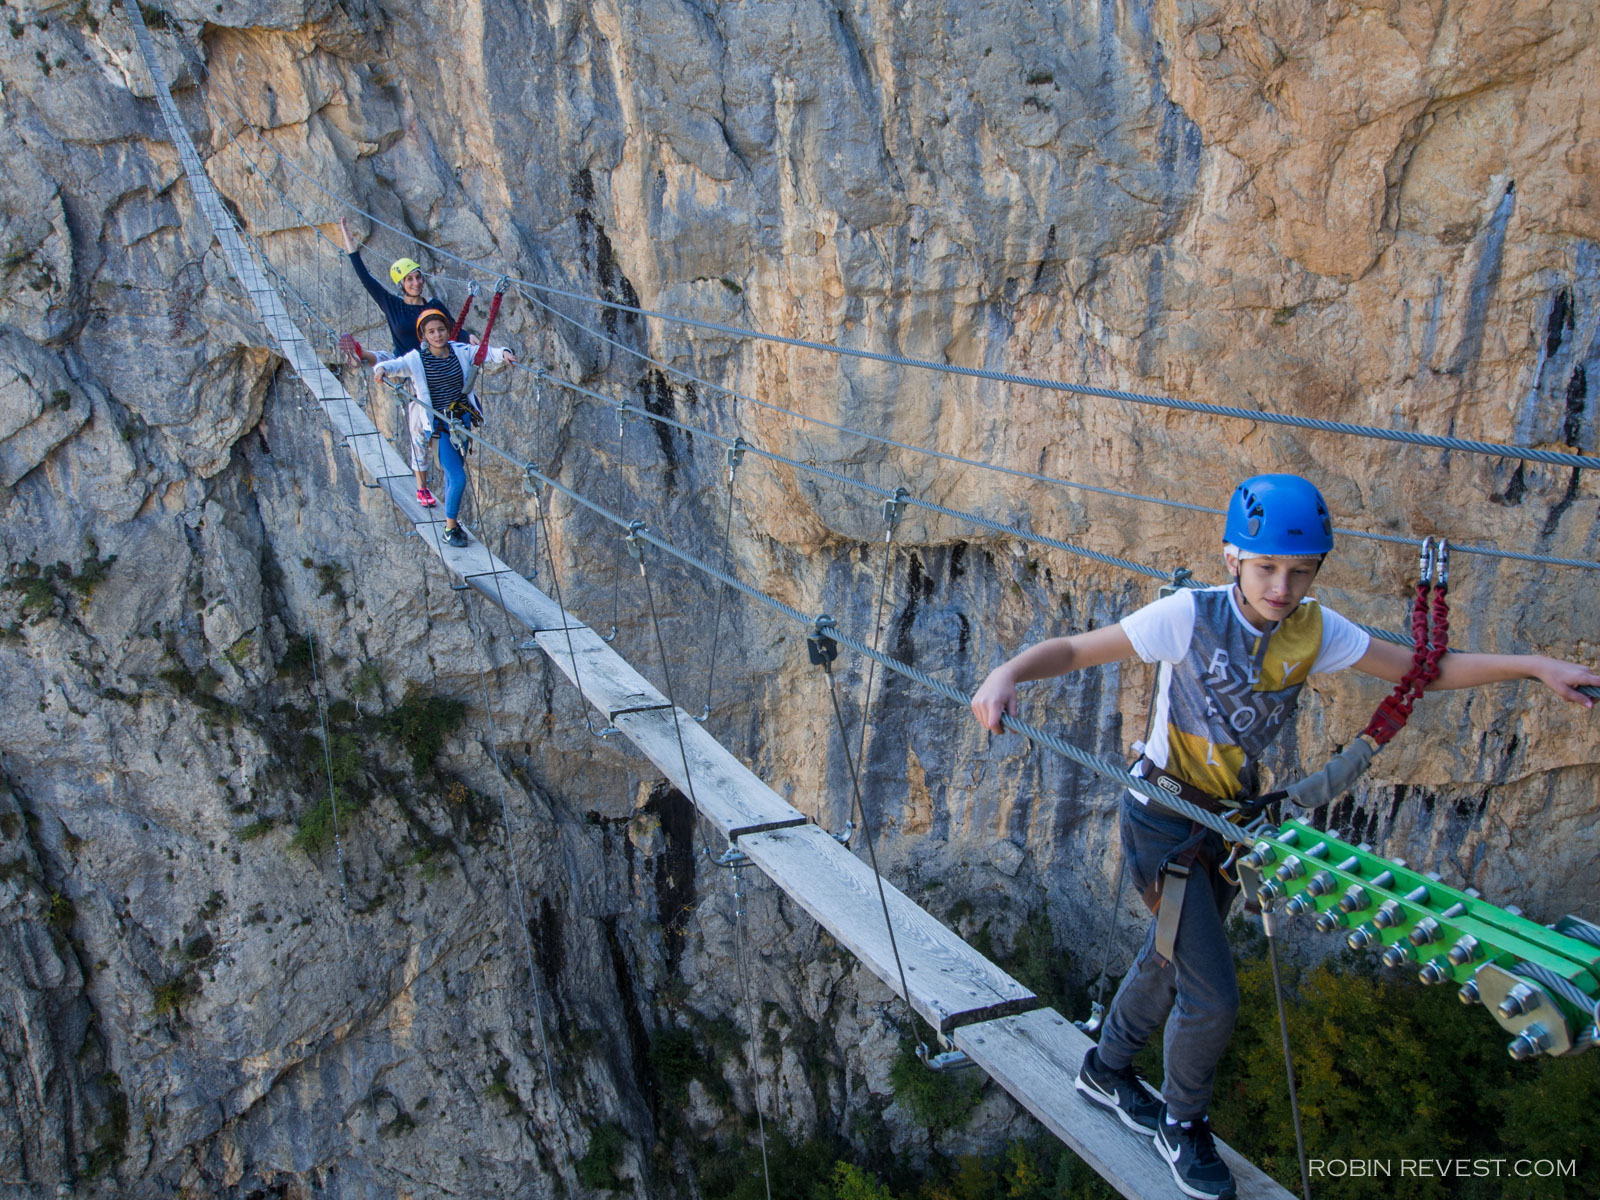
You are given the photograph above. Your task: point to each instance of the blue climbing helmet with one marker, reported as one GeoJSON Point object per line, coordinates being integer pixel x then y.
{"type": "Point", "coordinates": [1279, 514]}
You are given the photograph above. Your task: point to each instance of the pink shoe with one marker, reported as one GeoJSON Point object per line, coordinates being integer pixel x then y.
{"type": "Point", "coordinates": [425, 498]}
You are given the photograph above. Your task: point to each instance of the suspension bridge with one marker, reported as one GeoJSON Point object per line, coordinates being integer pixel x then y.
{"type": "Point", "coordinates": [974, 1008]}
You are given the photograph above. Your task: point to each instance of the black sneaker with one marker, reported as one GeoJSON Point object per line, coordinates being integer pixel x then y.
{"type": "Point", "coordinates": [457, 537]}
{"type": "Point", "coordinates": [1189, 1150]}
{"type": "Point", "coordinates": [1120, 1091]}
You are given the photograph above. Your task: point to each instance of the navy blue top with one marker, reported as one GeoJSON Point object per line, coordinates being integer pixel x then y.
{"type": "Point", "coordinates": [402, 317]}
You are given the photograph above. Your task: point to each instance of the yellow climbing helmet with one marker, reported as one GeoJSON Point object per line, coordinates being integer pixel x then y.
{"type": "Point", "coordinates": [401, 267]}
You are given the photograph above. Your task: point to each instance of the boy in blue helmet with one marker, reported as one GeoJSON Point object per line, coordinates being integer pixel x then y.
{"type": "Point", "coordinates": [1233, 660]}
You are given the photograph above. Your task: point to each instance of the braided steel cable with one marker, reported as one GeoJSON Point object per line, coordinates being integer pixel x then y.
{"type": "Point", "coordinates": [893, 494]}
{"type": "Point", "coordinates": [1035, 476]}
{"type": "Point", "coordinates": [529, 289]}
{"type": "Point", "coordinates": [1265, 416]}
{"type": "Point", "coordinates": [1106, 768]}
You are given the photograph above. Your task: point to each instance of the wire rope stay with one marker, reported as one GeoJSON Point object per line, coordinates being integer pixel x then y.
{"type": "Point", "coordinates": [529, 289]}
{"type": "Point", "coordinates": [900, 495]}
{"type": "Point", "coordinates": [1266, 416]}
{"type": "Point", "coordinates": [1106, 768]}
{"type": "Point", "coordinates": [1017, 472]}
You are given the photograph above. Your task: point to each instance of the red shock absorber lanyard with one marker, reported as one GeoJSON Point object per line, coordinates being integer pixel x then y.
{"type": "Point", "coordinates": [1430, 635]}
{"type": "Point", "coordinates": [455, 330]}
{"type": "Point", "coordinates": [483, 346]}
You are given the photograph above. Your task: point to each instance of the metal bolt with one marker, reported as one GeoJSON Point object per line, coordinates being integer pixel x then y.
{"type": "Point", "coordinates": [1531, 1042]}
{"type": "Point", "coordinates": [1384, 879]}
{"type": "Point", "coordinates": [1418, 895]}
{"type": "Point", "coordinates": [1363, 938]}
{"type": "Point", "coordinates": [1519, 1000]}
{"type": "Point", "coordinates": [1298, 906]}
{"type": "Point", "coordinates": [1292, 868]}
{"type": "Point", "coordinates": [1269, 891]}
{"type": "Point", "coordinates": [1465, 949]}
{"type": "Point", "coordinates": [1351, 865]}
{"type": "Point", "coordinates": [1513, 910]}
{"type": "Point", "coordinates": [1354, 899]}
{"type": "Point", "coordinates": [1434, 971]}
{"type": "Point", "coordinates": [1396, 955]}
{"type": "Point", "coordinates": [1328, 921]}
{"type": "Point", "coordinates": [1389, 914]}
{"type": "Point", "coordinates": [1321, 883]}
{"type": "Point", "coordinates": [1457, 909]}
{"type": "Point", "coordinates": [1469, 992]}
{"type": "Point", "coordinates": [1320, 850]}
{"type": "Point", "coordinates": [1426, 930]}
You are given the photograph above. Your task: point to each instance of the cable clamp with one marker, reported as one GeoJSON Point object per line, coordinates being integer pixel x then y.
{"type": "Point", "coordinates": [1180, 580]}
{"type": "Point", "coordinates": [849, 832]}
{"type": "Point", "coordinates": [731, 857]}
{"type": "Point", "coordinates": [530, 482]}
{"type": "Point", "coordinates": [820, 645]}
{"type": "Point", "coordinates": [734, 455]}
{"type": "Point", "coordinates": [893, 508]}
{"type": "Point", "coordinates": [947, 1060]}
{"type": "Point", "coordinates": [635, 542]}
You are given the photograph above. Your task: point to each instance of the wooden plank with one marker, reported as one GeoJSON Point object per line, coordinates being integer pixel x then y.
{"type": "Point", "coordinates": [524, 602]}
{"type": "Point", "coordinates": [472, 559]}
{"type": "Point", "coordinates": [725, 791]}
{"type": "Point", "coordinates": [1036, 1057]}
{"type": "Point", "coordinates": [950, 982]}
{"type": "Point", "coordinates": [605, 678]}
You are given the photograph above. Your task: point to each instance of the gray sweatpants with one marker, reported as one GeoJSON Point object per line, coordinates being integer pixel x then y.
{"type": "Point", "coordinates": [1196, 995]}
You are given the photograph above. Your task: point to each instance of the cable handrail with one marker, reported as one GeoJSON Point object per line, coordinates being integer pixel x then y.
{"type": "Point", "coordinates": [1266, 416]}
{"type": "Point", "coordinates": [529, 290]}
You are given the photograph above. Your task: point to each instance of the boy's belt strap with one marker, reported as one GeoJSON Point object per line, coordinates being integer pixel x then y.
{"type": "Point", "coordinates": [1167, 782]}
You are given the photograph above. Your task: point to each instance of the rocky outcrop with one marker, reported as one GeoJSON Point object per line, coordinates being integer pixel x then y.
{"type": "Point", "coordinates": [1362, 215]}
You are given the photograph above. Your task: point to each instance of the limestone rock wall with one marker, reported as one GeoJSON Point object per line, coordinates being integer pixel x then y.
{"type": "Point", "coordinates": [1383, 215]}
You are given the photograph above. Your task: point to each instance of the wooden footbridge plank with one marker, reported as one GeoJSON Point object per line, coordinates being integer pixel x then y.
{"type": "Point", "coordinates": [949, 982]}
{"type": "Point", "coordinates": [1036, 1056]}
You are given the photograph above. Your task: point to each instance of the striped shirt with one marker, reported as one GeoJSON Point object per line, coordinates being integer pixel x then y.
{"type": "Point", "coordinates": [444, 379]}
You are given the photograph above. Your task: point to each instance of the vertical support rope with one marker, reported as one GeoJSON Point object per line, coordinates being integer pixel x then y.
{"type": "Point", "coordinates": [1288, 1061]}
{"type": "Point", "coordinates": [516, 874]}
{"type": "Point", "coordinates": [735, 453]}
{"type": "Point", "coordinates": [866, 829]}
{"type": "Point", "coordinates": [750, 1014]}
{"type": "Point", "coordinates": [891, 522]}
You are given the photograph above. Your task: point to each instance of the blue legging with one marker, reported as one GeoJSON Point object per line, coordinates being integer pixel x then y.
{"type": "Point", "coordinates": [455, 473]}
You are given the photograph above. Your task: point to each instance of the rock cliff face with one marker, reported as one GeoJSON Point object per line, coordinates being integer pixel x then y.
{"type": "Point", "coordinates": [1379, 214]}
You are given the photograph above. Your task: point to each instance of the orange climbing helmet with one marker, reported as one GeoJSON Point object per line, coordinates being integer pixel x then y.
{"type": "Point", "coordinates": [429, 314]}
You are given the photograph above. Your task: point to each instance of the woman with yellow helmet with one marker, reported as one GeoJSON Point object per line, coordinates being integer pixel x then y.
{"type": "Point", "coordinates": [400, 311]}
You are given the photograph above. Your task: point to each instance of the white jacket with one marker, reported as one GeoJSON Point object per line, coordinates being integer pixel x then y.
{"type": "Point", "coordinates": [420, 414]}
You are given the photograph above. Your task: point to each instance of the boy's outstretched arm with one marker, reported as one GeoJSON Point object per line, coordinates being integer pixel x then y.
{"type": "Point", "coordinates": [1461, 670]}
{"type": "Point", "coordinates": [1046, 660]}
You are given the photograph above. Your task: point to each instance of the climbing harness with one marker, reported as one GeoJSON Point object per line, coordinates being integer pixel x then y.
{"type": "Point", "coordinates": [733, 456]}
